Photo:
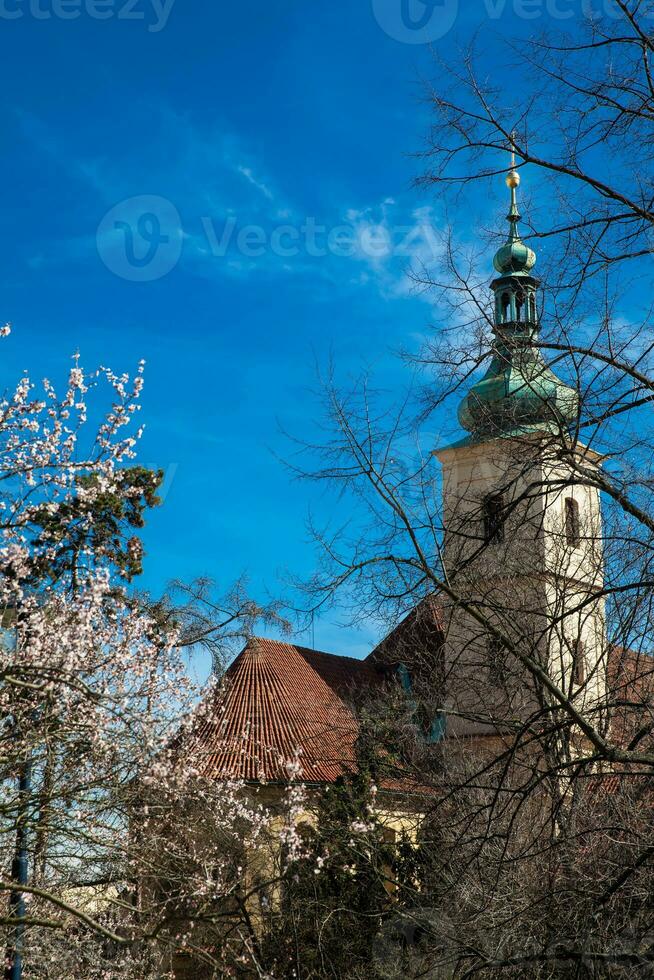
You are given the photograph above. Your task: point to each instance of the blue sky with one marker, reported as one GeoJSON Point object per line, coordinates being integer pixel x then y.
{"type": "Point", "coordinates": [220, 117]}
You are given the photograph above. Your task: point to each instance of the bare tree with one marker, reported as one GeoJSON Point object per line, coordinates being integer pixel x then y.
{"type": "Point", "coordinates": [530, 545]}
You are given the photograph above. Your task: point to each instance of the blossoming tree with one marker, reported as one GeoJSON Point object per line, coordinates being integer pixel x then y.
{"type": "Point", "coordinates": [116, 859]}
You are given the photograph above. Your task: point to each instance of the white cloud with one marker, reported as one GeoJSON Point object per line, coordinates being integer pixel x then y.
{"type": "Point", "coordinates": [212, 177]}
{"type": "Point", "coordinates": [259, 184]}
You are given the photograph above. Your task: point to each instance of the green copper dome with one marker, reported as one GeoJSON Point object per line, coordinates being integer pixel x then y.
{"type": "Point", "coordinates": [514, 257]}
{"type": "Point", "coordinates": [519, 393]}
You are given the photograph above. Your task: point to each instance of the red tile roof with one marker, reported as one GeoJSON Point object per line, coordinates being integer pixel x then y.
{"type": "Point", "coordinates": [417, 641]}
{"type": "Point", "coordinates": [631, 684]}
{"type": "Point", "coordinates": [277, 699]}
{"type": "Point", "coordinates": [278, 702]}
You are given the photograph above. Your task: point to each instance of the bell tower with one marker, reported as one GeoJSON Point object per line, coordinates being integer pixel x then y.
{"type": "Point", "coordinates": [522, 523]}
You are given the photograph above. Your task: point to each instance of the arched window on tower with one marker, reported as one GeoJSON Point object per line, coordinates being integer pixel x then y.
{"type": "Point", "coordinates": [506, 305]}
{"type": "Point", "coordinates": [519, 304]}
{"type": "Point", "coordinates": [494, 514]}
{"type": "Point", "coordinates": [579, 663]}
{"type": "Point", "coordinates": [496, 654]}
{"type": "Point", "coordinates": [532, 309]}
{"type": "Point", "coordinates": [572, 523]}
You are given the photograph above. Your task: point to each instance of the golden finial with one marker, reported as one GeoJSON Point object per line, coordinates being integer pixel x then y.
{"type": "Point", "coordinates": [513, 177]}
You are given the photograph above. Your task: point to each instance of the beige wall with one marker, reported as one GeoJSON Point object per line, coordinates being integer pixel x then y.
{"type": "Point", "coordinates": [534, 587]}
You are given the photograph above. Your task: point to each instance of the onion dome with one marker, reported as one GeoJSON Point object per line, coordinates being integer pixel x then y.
{"type": "Point", "coordinates": [514, 257]}
{"type": "Point", "coordinates": [519, 392]}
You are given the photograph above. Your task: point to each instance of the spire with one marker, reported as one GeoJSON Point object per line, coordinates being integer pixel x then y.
{"type": "Point", "coordinates": [513, 182]}
{"type": "Point", "coordinates": [519, 393]}
{"type": "Point", "coordinates": [514, 257]}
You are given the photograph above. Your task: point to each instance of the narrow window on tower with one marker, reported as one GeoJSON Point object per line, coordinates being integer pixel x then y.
{"type": "Point", "coordinates": [572, 528]}
{"type": "Point", "coordinates": [496, 655]}
{"type": "Point", "coordinates": [506, 302]}
{"type": "Point", "coordinates": [579, 663]}
{"type": "Point", "coordinates": [494, 518]}
{"type": "Point", "coordinates": [532, 309]}
{"type": "Point", "coordinates": [519, 303]}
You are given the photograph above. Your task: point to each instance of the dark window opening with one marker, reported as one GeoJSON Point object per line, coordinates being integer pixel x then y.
{"type": "Point", "coordinates": [572, 529]}
{"type": "Point", "coordinates": [405, 678]}
{"type": "Point", "coordinates": [494, 518]}
{"type": "Point", "coordinates": [532, 309]}
{"type": "Point", "coordinates": [431, 724]}
{"type": "Point", "coordinates": [506, 302]}
{"type": "Point", "coordinates": [496, 661]}
{"type": "Point", "coordinates": [579, 663]}
{"type": "Point", "coordinates": [519, 303]}
{"type": "Point", "coordinates": [438, 728]}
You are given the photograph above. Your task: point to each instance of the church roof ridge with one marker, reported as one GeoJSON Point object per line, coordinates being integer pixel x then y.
{"type": "Point", "coordinates": [266, 644]}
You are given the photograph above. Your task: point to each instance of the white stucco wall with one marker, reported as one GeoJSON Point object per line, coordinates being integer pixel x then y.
{"type": "Point", "coordinates": [534, 586]}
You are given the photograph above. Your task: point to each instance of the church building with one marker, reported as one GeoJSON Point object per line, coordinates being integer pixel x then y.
{"type": "Point", "coordinates": [519, 619]}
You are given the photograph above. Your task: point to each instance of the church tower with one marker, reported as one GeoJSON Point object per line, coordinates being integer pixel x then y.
{"type": "Point", "coordinates": [522, 524]}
